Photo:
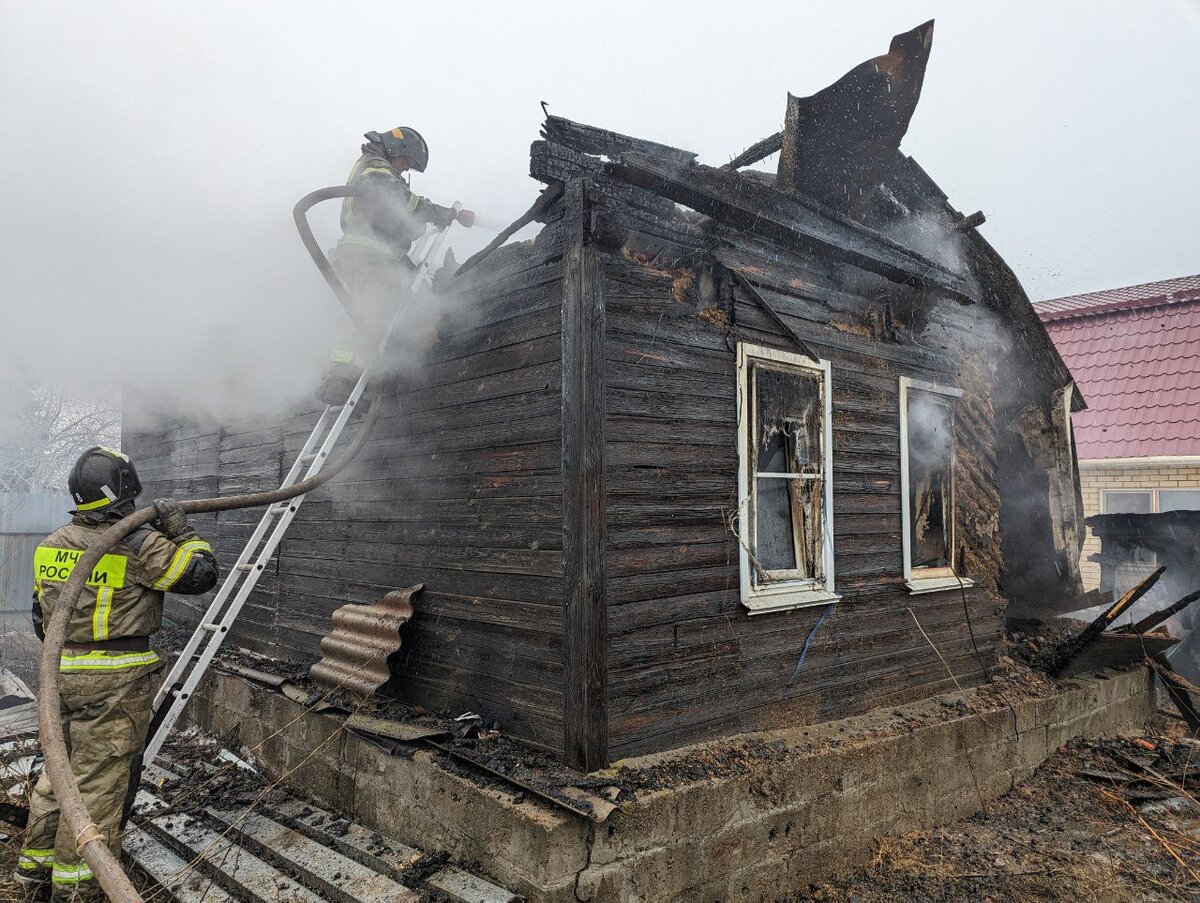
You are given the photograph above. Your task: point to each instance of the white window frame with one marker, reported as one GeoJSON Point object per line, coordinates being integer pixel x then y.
{"type": "Point", "coordinates": [787, 594]}
{"type": "Point", "coordinates": [926, 580]}
{"type": "Point", "coordinates": [1155, 499]}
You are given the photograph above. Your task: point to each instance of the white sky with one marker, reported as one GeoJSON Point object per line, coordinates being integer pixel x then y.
{"type": "Point", "coordinates": [150, 153]}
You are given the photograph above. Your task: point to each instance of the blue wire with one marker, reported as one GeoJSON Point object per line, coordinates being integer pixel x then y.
{"type": "Point", "coordinates": [808, 642]}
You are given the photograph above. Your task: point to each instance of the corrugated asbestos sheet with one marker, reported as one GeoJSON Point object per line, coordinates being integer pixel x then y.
{"type": "Point", "coordinates": [356, 651]}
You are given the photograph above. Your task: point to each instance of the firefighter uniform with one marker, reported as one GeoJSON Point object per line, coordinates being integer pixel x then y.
{"type": "Point", "coordinates": [106, 673]}
{"type": "Point", "coordinates": [387, 217]}
{"type": "Point", "coordinates": [371, 258]}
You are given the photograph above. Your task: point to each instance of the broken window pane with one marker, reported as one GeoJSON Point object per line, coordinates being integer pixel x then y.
{"type": "Point", "coordinates": [787, 448]}
{"type": "Point", "coordinates": [930, 492]}
{"type": "Point", "coordinates": [774, 529]}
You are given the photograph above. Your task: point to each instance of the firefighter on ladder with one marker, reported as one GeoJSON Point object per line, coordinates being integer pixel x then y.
{"type": "Point", "coordinates": [106, 673]}
{"type": "Point", "coordinates": [378, 228]}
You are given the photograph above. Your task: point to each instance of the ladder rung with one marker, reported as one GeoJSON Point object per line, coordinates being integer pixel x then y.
{"type": "Point", "coordinates": [245, 567]}
{"type": "Point", "coordinates": [278, 509]}
{"type": "Point", "coordinates": [309, 458]}
{"type": "Point", "coordinates": [210, 627]}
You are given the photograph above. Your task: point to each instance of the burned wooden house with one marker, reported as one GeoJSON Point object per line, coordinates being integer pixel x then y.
{"type": "Point", "coordinates": [707, 411]}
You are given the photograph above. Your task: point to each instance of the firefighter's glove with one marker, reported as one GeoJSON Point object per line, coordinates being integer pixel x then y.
{"type": "Point", "coordinates": [172, 521]}
{"type": "Point", "coordinates": [466, 218]}
{"type": "Point", "coordinates": [443, 217]}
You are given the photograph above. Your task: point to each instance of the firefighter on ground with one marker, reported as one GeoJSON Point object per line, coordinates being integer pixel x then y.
{"type": "Point", "coordinates": [378, 228]}
{"type": "Point", "coordinates": [106, 673]}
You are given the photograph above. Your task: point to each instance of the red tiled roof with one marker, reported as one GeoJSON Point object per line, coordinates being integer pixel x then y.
{"type": "Point", "coordinates": [1164, 292]}
{"type": "Point", "coordinates": [1135, 355]}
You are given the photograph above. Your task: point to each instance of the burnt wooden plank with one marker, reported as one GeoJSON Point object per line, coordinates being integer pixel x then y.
{"type": "Point", "coordinates": [706, 719]}
{"type": "Point", "coordinates": [585, 635]}
{"type": "Point", "coordinates": [665, 429]}
{"type": "Point", "coordinates": [482, 513]}
{"type": "Point", "coordinates": [589, 139]}
{"type": "Point", "coordinates": [430, 532]}
{"type": "Point", "coordinates": [785, 218]}
{"type": "Point", "coordinates": [525, 484]}
{"type": "Point", "coordinates": [309, 599]}
{"type": "Point", "coordinates": [528, 353]}
{"type": "Point", "coordinates": [828, 338]}
{"type": "Point", "coordinates": [366, 581]}
{"type": "Point", "coordinates": [633, 617]}
{"type": "Point", "coordinates": [552, 162]}
{"type": "Point", "coordinates": [507, 384]}
{"type": "Point", "coordinates": [675, 381]}
{"type": "Point", "coordinates": [498, 560]}
{"type": "Point", "coordinates": [666, 558]}
{"type": "Point", "coordinates": [751, 671]}
{"type": "Point", "coordinates": [436, 687]}
{"type": "Point", "coordinates": [669, 533]}
{"type": "Point", "coordinates": [515, 264]}
{"type": "Point", "coordinates": [460, 462]}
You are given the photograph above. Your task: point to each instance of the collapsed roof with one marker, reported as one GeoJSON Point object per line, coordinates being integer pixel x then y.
{"type": "Point", "coordinates": [843, 190]}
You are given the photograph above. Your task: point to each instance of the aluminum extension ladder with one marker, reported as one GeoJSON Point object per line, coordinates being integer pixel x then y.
{"type": "Point", "coordinates": [225, 607]}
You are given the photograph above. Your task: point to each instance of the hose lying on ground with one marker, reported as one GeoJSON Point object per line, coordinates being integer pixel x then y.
{"type": "Point", "coordinates": [92, 846]}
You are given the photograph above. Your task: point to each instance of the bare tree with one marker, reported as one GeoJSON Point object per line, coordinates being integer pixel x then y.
{"type": "Point", "coordinates": [45, 426]}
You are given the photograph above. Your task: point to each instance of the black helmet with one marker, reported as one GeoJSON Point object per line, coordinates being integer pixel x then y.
{"type": "Point", "coordinates": [103, 477]}
{"type": "Point", "coordinates": [403, 142]}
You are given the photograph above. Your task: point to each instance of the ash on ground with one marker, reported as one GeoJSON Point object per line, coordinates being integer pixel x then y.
{"type": "Point", "coordinates": [1105, 821]}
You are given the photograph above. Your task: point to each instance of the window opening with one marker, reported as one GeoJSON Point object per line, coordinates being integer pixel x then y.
{"type": "Point", "coordinates": [1148, 501]}
{"type": "Point", "coordinates": [784, 522]}
{"type": "Point", "coordinates": [1121, 501]}
{"type": "Point", "coordinates": [927, 461]}
{"type": "Point", "coordinates": [789, 483]}
{"type": "Point", "coordinates": [931, 496]}
{"type": "Point", "coordinates": [1179, 500]}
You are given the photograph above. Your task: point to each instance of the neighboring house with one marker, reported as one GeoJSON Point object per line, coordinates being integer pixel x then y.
{"type": "Point", "coordinates": [1135, 356]}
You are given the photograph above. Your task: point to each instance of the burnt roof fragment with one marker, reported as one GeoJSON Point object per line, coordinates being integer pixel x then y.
{"type": "Point", "coordinates": [841, 144]}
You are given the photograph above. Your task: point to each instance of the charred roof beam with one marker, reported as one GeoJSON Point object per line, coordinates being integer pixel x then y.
{"type": "Point", "coordinates": [588, 139]}
{"type": "Point", "coordinates": [786, 219]}
{"type": "Point", "coordinates": [757, 152]}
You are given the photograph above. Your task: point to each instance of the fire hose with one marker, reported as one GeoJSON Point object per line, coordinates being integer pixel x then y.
{"type": "Point", "coordinates": [88, 838]}
{"type": "Point", "coordinates": [92, 845]}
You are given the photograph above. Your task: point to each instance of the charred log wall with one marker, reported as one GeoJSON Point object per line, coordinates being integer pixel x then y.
{"type": "Point", "coordinates": [460, 488]}
{"type": "Point", "coordinates": [202, 459]}
{"type": "Point", "coordinates": [685, 659]}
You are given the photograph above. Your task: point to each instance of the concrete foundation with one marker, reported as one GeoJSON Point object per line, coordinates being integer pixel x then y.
{"type": "Point", "coordinates": [795, 806]}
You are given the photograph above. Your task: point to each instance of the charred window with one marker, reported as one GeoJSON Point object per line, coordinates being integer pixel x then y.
{"type": "Point", "coordinates": [927, 453]}
{"type": "Point", "coordinates": [784, 521]}
{"type": "Point", "coordinates": [788, 478]}
{"type": "Point", "coordinates": [930, 493]}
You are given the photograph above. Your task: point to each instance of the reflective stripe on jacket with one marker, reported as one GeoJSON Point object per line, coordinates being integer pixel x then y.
{"type": "Point", "coordinates": [123, 596]}
{"type": "Point", "coordinates": [388, 218]}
